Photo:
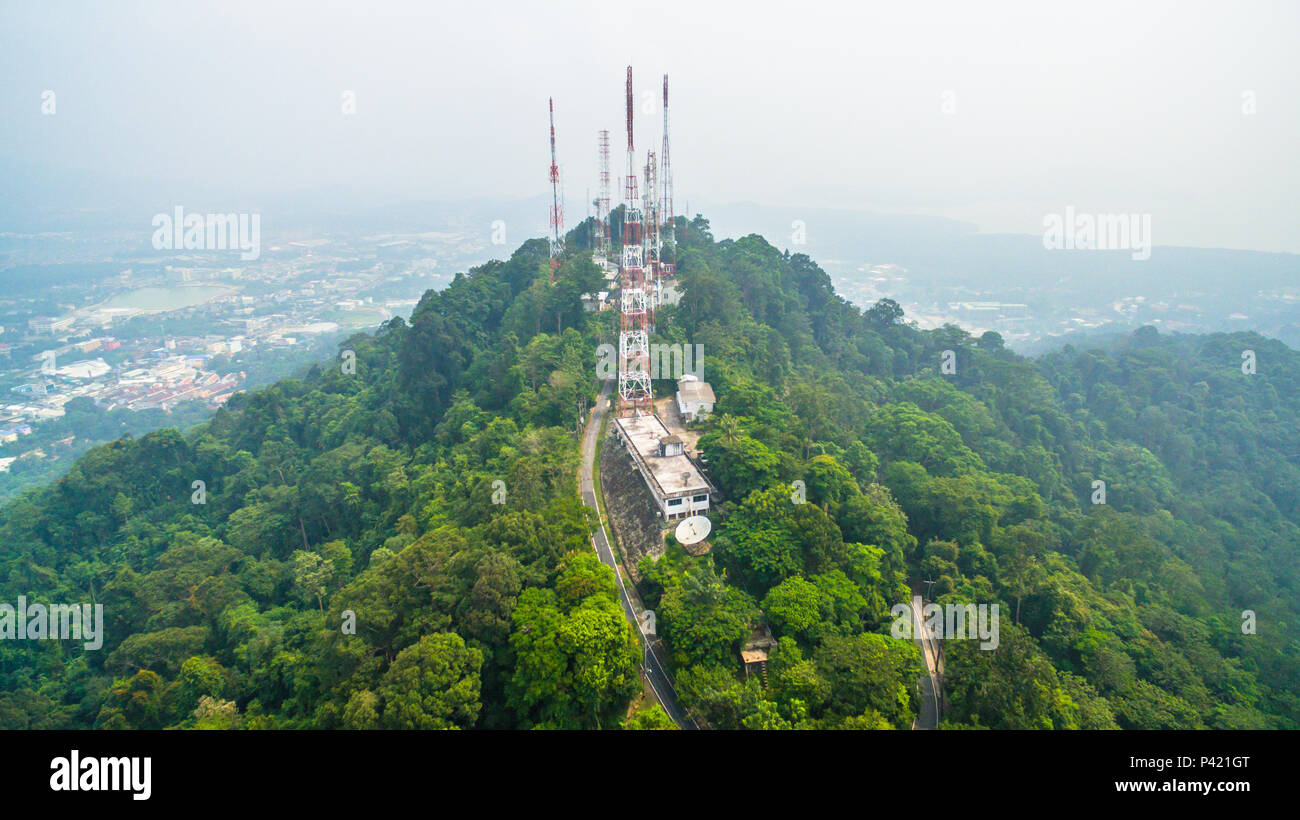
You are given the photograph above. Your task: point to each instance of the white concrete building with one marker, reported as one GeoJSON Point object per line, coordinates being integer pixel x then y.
{"type": "Point", "coordinates": [694, 398]}
{"type": "Point", "coordinates": [89, 369]}
{"type": "Point", "coordinates": [595, 302]}
{"type": "Point", "coordinates": [678, 486]}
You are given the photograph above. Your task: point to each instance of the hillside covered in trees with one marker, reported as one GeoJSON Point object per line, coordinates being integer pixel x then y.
{"type": "Point", "coordinates": [372, 497]}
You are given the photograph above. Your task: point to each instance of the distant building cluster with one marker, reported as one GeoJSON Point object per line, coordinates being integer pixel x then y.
{"type": "Point", "coordinates": [159, 380]}
{"type": "Point", "coordinates": [146, 336]}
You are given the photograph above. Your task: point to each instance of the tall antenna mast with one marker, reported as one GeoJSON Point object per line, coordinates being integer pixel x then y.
{"type": "Point", "coordinates": [667, 267]}
{"type": "Point", "coordinates": [633, 335]}
{"type": "Point", "coordinates": [557, 210]}
{"type": "Point", "coordinates": [629, 185]}
{"type": "Point", "coordinates": [600, 243]}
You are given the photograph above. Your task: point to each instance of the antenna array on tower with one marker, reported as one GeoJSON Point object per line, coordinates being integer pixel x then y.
{"type": "Point", "coordinates": [647, 246]}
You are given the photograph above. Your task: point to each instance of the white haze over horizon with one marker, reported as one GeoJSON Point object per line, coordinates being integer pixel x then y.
{"type": "Point", "coordinates": [1108, 107]}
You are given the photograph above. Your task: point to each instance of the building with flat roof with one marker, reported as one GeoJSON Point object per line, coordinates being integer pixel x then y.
{"type": "Point", "coordinates": [694, 398]}
{"type": "Point", "coordinates": [45, 325]}
{"type": "Point", "coordinates": [678, 486]}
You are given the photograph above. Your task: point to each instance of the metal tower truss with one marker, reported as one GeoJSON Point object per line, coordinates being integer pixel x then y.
{"type": "Point", "coordinates": [668, 265]}
{"type": "Point", "coordinates": [633, 250]}
{"type": "Point", "coordinates": [600, 242]}
{"type": "Point", "coordinates": [635, 298]}
{"type": "Point", "coordinates": [633, 342]}
{"type": "Point", "coordinates": [634, 302]}
{"type": "Point", "coordinates": [651, 229]}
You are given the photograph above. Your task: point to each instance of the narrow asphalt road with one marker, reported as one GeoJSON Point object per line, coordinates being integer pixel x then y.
{"type": "Point", "coordinates": [652, 661]}
{"type": "Point", "coordinates": [929, 717]}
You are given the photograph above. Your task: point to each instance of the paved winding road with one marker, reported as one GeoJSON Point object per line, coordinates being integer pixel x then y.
{"type": "Point", "coordinates": [929, 717]}
{"type": "Point", "coordinates": [652, 661]}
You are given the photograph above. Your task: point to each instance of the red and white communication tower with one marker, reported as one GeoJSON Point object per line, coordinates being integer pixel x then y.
{"type": "Point", "coordinates": [557, 209]}
{"type": "Point", "coordinates": [668, 265]}
{"type": "Point", "coordinates": [600, 242]}
{"type": "Point", "coordinates": [634, 318]}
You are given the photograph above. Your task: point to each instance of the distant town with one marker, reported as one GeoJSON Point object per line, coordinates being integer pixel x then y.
{"type": "Point", "coordinates": [141, 331]}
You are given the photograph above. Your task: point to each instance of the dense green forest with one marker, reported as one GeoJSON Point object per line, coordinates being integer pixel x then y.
{"type": "Point", "coordinates": [371, 498]}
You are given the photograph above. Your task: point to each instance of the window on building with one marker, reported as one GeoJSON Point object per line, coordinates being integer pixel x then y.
{"type": "Point", "coordinates": [699, 499]}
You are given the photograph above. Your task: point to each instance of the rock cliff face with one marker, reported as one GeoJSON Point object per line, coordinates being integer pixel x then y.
{"type": "Point", "coordinates": [629, 505]}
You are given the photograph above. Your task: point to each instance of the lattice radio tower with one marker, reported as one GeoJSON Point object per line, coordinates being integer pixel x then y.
{"type": "Point", "coordinates": [600, 241]}
{"type": "Point", "coordinates": [651, 241]}
{"type": "Point", "coordinates": [557, 207]}
{"type": "Point", "coordinates": [668, 265]}
{"type": "Point", "coordinates": [633, 336]}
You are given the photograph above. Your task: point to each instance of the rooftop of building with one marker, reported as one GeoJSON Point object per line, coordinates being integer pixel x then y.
{"type": "Point", "coordinates": [694, 390]}
{"type": "Point", "coordinates": [674, 475]}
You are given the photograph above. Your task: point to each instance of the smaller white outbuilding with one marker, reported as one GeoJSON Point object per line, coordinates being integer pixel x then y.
{"type": "Point", "coordinates": [694, 398]}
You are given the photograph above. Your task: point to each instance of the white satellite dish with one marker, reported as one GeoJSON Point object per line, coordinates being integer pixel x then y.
{"type": "Point", "coordinates": [693, 530]}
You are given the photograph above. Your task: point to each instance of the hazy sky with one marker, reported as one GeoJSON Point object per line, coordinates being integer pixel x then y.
{"type": "Point", "coordinates": [1107, 107]}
